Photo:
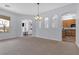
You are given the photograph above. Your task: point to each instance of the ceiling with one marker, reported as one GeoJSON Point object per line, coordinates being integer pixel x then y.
{"type": "Point", "coordinates": [30, 8]}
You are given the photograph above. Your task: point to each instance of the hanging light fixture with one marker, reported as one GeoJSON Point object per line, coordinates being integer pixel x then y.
{"type": "Point", "coordinates": [38, 17]}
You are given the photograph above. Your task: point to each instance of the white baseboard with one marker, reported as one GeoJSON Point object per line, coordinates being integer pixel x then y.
{"type": "Point", "coordinates": [13, 37]}
{"type": "Point", "coordinates": [40, 36]}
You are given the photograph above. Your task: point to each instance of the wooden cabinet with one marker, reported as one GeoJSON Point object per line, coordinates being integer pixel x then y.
{"type": "Point", "coordinates": [68, 29]}
{"type": "Point", "coordinates": [69, 32]}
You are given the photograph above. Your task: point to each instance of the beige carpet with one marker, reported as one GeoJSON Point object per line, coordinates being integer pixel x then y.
{"type": "Point", "coordinates": [36, 46]}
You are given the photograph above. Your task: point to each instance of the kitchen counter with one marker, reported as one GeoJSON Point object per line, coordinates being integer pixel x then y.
{"type": "Point", "coordinates": [71, 28]}
{"type": "Point", "coordinates": [69, 31]}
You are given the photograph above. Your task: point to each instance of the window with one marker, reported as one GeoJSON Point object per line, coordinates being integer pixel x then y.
{"type": "Point", "coordinates": [4, 23]}
{"type": "Point", "coordinates": [46, 22]}
{"type": "Point", "coordinates": [55, 21]}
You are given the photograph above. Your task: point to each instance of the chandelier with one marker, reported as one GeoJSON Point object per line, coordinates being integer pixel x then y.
{"type": "Point", "coordinates": [38, 17]}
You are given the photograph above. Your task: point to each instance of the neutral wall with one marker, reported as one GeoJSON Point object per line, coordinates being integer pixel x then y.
{"type": "Point", "coordinates": [15, 24]}
{"type": "Point", "coordinates": [77, 26]}
{"type": "Point", "coordinates": [54, 33]}
{"type": "Point", "coordinates": [50, 33]}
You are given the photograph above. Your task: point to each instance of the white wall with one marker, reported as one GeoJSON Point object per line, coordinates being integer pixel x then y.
{"type": "Point", "coordinates": [15, 24]}
{"type": "Point", "coordinates": [77, 26]}
{"type": "Point", "coordinates": [54, 33]}
{"type": "Point", "coordinates": [50, 33]}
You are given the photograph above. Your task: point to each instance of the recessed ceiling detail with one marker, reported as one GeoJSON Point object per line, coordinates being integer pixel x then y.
{"type": "Point", "coordinates": [30, 8]}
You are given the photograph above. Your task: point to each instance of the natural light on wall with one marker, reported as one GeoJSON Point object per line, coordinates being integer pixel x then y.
{"type": "Point", "coordinates": [46, 22]}
{"type": "Point", "coordinates": [55, 21]}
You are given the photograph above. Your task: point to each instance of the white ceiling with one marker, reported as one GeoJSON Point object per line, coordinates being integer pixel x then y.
{"type": "Point", "coordinates": [31, 8]}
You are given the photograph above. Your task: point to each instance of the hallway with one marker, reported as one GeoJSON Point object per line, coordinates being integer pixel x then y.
{"type": "Point", "coordinates": [36, 46]}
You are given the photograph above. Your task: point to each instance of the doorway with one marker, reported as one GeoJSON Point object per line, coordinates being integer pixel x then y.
{"type": "Point", "coordinates": [26, 26]}
{"type": "Point", "coordinates": [69, 28]}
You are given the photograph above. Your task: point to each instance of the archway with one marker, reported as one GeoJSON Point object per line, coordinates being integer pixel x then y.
{"type": "Point", "coordinates": [69, 28]}
{"type": "Point", "coordinates": [26, 26]}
